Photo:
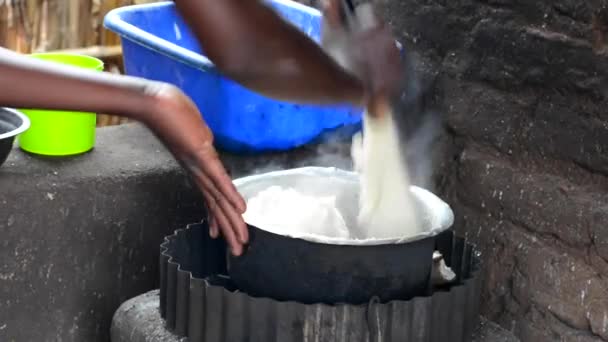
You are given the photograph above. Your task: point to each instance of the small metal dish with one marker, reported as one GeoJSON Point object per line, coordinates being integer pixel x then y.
{"type": "Point", "coordinates": [12, 123]}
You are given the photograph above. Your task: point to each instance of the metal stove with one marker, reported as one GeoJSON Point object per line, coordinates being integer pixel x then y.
{"type": "Point", "coordinates": [198, 300]}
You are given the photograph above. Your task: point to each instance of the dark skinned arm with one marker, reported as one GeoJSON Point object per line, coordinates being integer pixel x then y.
{"type": "Point", "coordinates": [251, 44]}
{"type": "Point", "coordinates": [29, 83]}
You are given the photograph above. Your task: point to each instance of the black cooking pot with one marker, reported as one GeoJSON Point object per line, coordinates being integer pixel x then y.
{"type": "Point", "coordinates": [12, 123]}
{"type": "Point", "coordinates": [308, 269]}
{"type": "Point", "coordinates": [292, 269]}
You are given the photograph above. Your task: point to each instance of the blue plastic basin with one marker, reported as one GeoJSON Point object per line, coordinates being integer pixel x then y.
{"type": "Point", "coordinates": [158, 45]}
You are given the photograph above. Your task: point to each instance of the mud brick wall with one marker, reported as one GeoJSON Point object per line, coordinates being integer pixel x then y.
{"type": "Point", "coordinates": [524, 89]}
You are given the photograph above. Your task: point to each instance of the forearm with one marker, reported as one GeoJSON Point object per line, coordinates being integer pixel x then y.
{"type": "Point", "coordinates": [29, 83]}
{"type": "Point", "coordinates": [251, 44]}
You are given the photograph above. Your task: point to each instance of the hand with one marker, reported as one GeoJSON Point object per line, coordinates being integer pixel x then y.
{"type": "Point", "coordinates": [180, 125]}
{"type": "Point", "coordinates": [169, 113]}
{"type": "Point", "coordinates": [369, 52]}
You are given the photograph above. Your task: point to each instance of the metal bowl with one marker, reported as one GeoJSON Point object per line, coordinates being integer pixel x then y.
{"type": "Point", "coordinates": [310, 269]}
{"type": "Point", "coordinates": [12, 123]}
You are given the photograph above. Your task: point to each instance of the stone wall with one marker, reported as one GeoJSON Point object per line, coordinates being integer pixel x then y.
{"type": "Point", "coordinates": [524, 86]}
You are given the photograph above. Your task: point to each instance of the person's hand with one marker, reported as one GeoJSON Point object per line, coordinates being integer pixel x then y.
{"type": "Point", "coordinates": [180, 125]}
{"type": "Point", "coordinates": [170, 114]}
{"type": "Point", "coordinates": [368, 50]}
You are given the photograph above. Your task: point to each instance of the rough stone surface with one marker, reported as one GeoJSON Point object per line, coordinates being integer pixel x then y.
{"type": "Point", "coordinates": [524, 90]}
{"type": "Point", "coordinates": [138, 320]}
{"type": "Point", "coordinates": [81, 235]}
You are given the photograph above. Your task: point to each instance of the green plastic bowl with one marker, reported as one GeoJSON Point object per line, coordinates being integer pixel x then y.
{"type": "Point", "coordinates": [61, 133]}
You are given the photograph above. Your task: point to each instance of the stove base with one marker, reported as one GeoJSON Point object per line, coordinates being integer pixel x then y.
{"type": "Point", "coordinates": [138, 320]}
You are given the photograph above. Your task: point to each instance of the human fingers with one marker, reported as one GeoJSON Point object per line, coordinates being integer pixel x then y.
{"type": "Point", "coordinates": [223, 215]}
{"type": "Point", "coordinates": [220, 202]}
{"type": "Point", "coordinates": [213, 227]}
{"type": "Point", "coordinates": [381, 57]}
{"type": "Point", "coordinates": [235, 219]}
{"type": "Point", "coordinates": [380, 62]}
{"type": "Point", "coordinates": [217, 174]}
{"type": "Point", "coordinates": [236, 247]}
{"type": "Point", "coordinates": [209, 205]}
{"type": "Point", "coordinates": [378, 106]}
{"type": "Point", "coordinates": [331, 12]}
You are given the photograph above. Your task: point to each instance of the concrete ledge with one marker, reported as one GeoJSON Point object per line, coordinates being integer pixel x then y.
{"type": "Point", "coordinates": [138, 320]}
{"type": "Point", "coordinates": [81, 235]}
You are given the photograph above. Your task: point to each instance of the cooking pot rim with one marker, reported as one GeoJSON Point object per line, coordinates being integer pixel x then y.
{"type": "Point", "coordinates": [18, 129]}
{"type": "Point", "coordinates": [443, 214]}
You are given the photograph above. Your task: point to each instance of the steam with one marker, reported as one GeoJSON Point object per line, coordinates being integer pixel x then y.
{"type": "Point", "coordinates": [419, 152]}
{"type": "Point", "coordinates": [332, 150]}
{"type": "Point", "coordinates": [418, 123]}
{"type": "Point", "coordinates": [419, 128]}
